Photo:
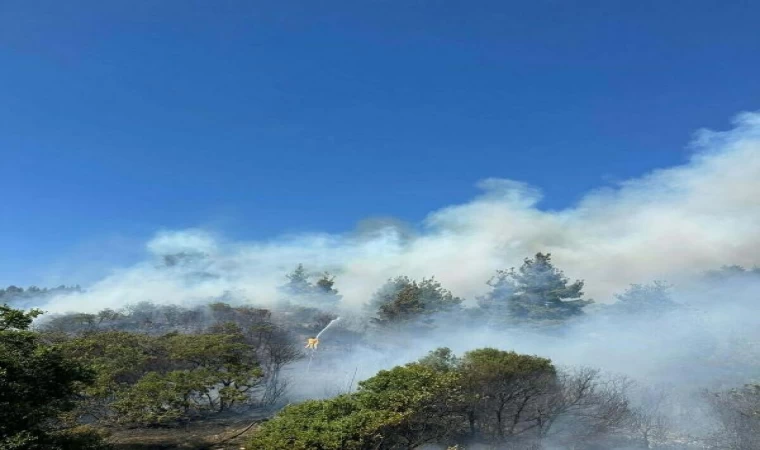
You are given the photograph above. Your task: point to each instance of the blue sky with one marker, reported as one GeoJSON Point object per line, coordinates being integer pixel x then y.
{"type": "Point", "coordinates": [121, 118]}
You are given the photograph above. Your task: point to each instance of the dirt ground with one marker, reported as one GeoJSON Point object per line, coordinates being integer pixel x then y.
{"type": "Point", "coordinates": [212, 434]}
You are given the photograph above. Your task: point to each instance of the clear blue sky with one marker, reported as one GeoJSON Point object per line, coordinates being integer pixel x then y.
{"type": "Point", "coordinates": [119, 118]}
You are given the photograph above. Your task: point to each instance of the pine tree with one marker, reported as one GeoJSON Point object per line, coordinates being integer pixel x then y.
{"type": "Point", "coordinates": [537, 291]}
{"type": "Point", "coordinates": [298, 282]}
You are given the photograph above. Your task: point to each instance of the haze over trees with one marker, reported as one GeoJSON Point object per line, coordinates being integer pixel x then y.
{"type": "Point", "coordinates": [20, 297]}
{"type": "Point", "coordinates": [638, 299]}
{"type": "Point", "coordinates": [535, 293]}
{"type": "Point", "coordinates": [149, 365]}
{"type": "Point", "coordinates": [402, 300]}
{"type": "Point", "coordinates": [738, 412]}
{"type": "Point", "coordinates": [487, 396]}
{"type": "Point", "coordinates": [300, 290]}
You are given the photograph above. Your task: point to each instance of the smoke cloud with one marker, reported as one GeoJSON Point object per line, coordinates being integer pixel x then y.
{"type": "Point", "coordinates": [669, 224]}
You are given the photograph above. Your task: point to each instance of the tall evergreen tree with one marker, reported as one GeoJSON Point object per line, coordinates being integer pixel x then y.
{"type": "Point", "coordinates": [301, 290]}
{"type": "Point", "coordinates": [325, 284]}
{"type": "Point", "coordinates": [535, 292]}
{"type": "Point", "coordinates": [298, 282]}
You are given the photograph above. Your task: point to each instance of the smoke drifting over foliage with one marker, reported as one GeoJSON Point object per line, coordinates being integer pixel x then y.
{"type": "Point", "coordinates": [670, 224]}
{"type": "Point", "coordinates": [642, 249]}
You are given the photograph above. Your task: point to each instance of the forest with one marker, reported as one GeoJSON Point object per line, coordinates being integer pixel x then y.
{"type": "Point", "coordinates": [416, 368]}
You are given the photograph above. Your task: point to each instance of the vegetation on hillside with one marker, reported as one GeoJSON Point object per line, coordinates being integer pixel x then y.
{"type": "Point", "coordinates": [65, 378]}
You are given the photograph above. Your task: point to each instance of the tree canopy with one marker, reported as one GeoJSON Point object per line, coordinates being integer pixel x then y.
{"type": "Point", "coordinates": [404, 407]}
{"type": "Point", "coordinates": [300, 290]}
{"type": "Point", "coordinates": [536, 292]}
{"type": "Point", "coordinates": [38, 385]}
{"type": "Point", "coordinates": [402, 300]}
{"type": "Point", "coordinates": [162, 365]}
{"type": "Point", "coordinates": [486, 396]}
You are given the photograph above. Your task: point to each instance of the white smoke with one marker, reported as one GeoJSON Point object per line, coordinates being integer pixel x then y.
{"type": "Point", "coordinates": [669, 224]}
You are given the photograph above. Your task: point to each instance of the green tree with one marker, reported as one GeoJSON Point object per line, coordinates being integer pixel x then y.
{"type": "Point", "coordinates": [325, 290]}
{"type": "Point", "coordinates": [298, 282]}
{"type": "Point", "coordinates": [536, 292]}
{"type": "Point", "coordinates": [300, 290]}
{"type": "Point", "coordinates": [441, 359]}
{"type": "Point", "coordinates": [325, 284]}
{"type": "Point", "coordinates": [226, 361]}
{"type": "Point", "coordinates": [487, 396]}
{"type": "Point", "coordinates": [71, 323]}
{"type": "Point", "coordinates": [401, 300]}
{"type": "Point", "coordinates": [37, 386]}
{"type": "Point", "coordinates": [503, 389]}
{"type": "Point", "coordinates": [108, 315]}
{"type": "Point", "coordinates": [426, 402]}
{"type": "Point", "coordinates": [152, 380]}
{"type": "Point", "coordinates": [119, 360]}
{"type": "Point", "coordinates": [12, 319]}
{"type": "Point", "coordinates": [222, 312]}
{"type": "Point", "coordinates": [342, 423]}
{"type": "Point", "coordinates": [158, 399]}
{"type": "Point", "coordinates": [401, 408]}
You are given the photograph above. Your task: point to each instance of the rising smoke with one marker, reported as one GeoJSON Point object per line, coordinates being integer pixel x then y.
{"type": "Point", "coordinates": [672, 224]}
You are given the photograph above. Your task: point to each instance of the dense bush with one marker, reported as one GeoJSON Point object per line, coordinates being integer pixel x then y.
{"type": "Point", "coordinates": [486, 396]}
{"type": "Point", "coordinates": [151, 365]}
{"type": "Point", "coordinates": [146, 380]}
{"type": "Point", "coordinates": [38, 385]}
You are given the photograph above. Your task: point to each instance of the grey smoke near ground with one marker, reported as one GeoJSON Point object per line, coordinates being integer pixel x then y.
{"type": "Point", "coordinates": [668, 224]}
{"type": "Point", "coordinates": [711, 341]}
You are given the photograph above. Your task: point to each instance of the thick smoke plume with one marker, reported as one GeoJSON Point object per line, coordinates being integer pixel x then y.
{"type": "Point", "coordinates": [669, 224]}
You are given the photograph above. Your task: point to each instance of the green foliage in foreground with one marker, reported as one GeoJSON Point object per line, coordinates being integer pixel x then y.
{"type": "Point", "coordinates": [339, 423]}
{"type": "Point", "coordinates": [440, 399]}
{"type": "Point", "coordinates": [37, 385]}
{"type": "Point", "coordinates": [153, 380]}
{"type": "Point", "coordinates": [392, 409]}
